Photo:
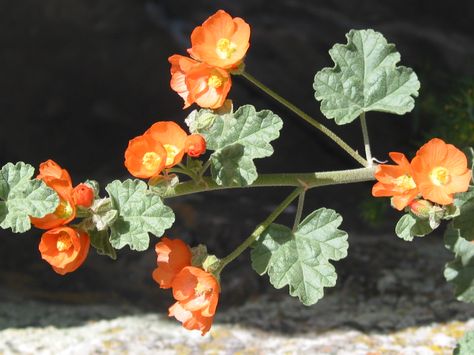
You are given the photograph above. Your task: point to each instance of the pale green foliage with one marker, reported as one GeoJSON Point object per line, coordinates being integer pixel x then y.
{"type": "Point", "coordinates": [465, 220]}
{"type": "Point", "coordinates": [365, 78]}
{"type": "Point", "coordinates": [139, 212]}
{"type": "Point", "coordinates": [237, 139]}
{"type": "Point", "coordinates": [22, 197]}
{"type": "Point", "coordinates": [460, 271]}
{"type": "Point", "coordinates": [465, 345]}
{"type": "Point", "coordinates": [100, 241]}
{"type": "Point", "coordinates": [409, 226]}
{"type": "Point", "coordinates": [301, 259]}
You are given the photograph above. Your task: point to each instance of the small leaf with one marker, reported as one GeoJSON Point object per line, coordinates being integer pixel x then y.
{"type": "Point", "coordinates": [409, 227]}
{"type": "Point", "coordinates": [365, 78]}
{"type": "Point", "coordinates": [465, 345]}
{"type": "Point", "coordinates": [23, 197]}
{"type": "Point", "coordinates": [230, 166]}
{"type": "Point", "coordinates": [465, 221]}
{"type": "Point", "coordinates": [100, 241]}
{"type": "Point", "coordinates": [460, 271]}
{"type": "Point", "coordinates": [301, 259]}
{"type": "Point", "coordinates": [139, 212]}
{"type": "Point", "coordinates": [237, 139]}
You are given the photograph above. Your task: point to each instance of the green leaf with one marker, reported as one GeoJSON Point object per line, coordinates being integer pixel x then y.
{"type": "Point", "coordinates": [23, 197]}
{"type": "Point", "coordinates": [469, 151]}
{"type": "Point", "coordinates": [465, 220]}
{"type": "Point", "coordinates": [409, 227]}
{"type": "Point", "coordinates": [237, 139]}
{"type": "Point", "coordinates": [465, 345]}
{"type": "Point", "coordinates": [365, 78]}
{"type": "Point", "coordinates": [231, 166]}
{"type": "Point", "coordinates": [100, 241]}
{"type": "Point", "coordinates": [139, 212]}
{"type": "Point", "coordinates": [301, 259]}
{"type": "Point", "coordinates": [460, 271]}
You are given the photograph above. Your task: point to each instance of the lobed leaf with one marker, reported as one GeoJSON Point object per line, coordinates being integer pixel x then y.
{"type": "Point", "coordinates": [140, 212]}
{"type": "Point", "coordinates": [460, 271]}
{"type": "Point", "coordinates": [365, 78]}
{"type": "Point", "coordinates": [410, 226]}
{"type": "Point", "coordinates": [23, 197]}
{"type": "Point", "coordinates": [237, 139]}
{"type": "Point", "coordinates": [100, 240]}
{"type": "Point", "coordinates": [301, 259]}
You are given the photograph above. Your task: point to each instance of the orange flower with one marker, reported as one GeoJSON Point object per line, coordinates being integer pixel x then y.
{"type": "Point", "coordinates": [197, 294]}
{"type": "Point", "coordinates": [59, 180]}
{"type": "Point", "coordinates": [172, 256]}
{"type": "Point", "coordinates": [221, 41]}
{"type": "Point", "coordinates": [145, 157]}
{"type": "Point", "coordinates": [64, 248]}
{"type": "Point", "coordinates": [440, 170]}
{"type": "Point", "coordinates": [83, 195]}
{"type": "Point", "coordinates": [172, 137]}
{"type": "Point", "coordinates": [195, 145]}
{"type": "Point", "coordinates": [397, 181]}
{"type": "Point", "coordinates": [199, 83]}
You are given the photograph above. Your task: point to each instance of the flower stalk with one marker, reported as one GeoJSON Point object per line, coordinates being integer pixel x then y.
{"type": "Point", "coordinates": [333, 136]}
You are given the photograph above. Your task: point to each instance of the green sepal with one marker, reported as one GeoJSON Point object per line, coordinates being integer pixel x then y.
{"type": "Point", "coordinates": [140, 212]}
{"type": "Point", "coordinates": [23, 197]}
{"type": "Point", "coordinates": [300, 259]}
{"type": "Point", "coordinates": [409, 226]}
{"type": "Point", "coordinates": [365, 78]}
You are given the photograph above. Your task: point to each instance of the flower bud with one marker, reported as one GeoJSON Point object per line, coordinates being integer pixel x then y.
{"type": "Point", "coordinates": [83, 195]}
{"type": "Point", "coordinates": [195, 145]}
{"type": "Point", "coordinates": [421, 208]}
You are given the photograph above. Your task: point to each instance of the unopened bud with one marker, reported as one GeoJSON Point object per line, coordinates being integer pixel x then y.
{"type": "Point", "coordinates": [83, 195]}
{"type": "Point", "coordinates": [421, 208]}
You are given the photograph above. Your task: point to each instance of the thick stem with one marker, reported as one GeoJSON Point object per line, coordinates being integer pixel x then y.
{"type": "Point", "coordinates": [307, 180]}
{"type": "Point", "coordinates": [299, 210]}
{"type": "Point", "coordinates": [259, 230]}
{"type": "Point", "coordinates": [365, 135]}
{"type": "Point", "coordinates": [339, 141]}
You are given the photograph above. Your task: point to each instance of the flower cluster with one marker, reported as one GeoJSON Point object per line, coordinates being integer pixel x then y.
{"type": "Point", "coordinates": [217, 48]}
{"type": "Point", "coordinates": [161, 147]}
{"type": "Point", "coordinates": [196, 291]}
{"type": "Point", "coordinates": [64, 248]}
{"type": "Point", "coordinates": [435, 174]}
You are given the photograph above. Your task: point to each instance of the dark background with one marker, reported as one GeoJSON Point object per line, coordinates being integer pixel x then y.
{"type": "Point", "coordinates": [79, 78]}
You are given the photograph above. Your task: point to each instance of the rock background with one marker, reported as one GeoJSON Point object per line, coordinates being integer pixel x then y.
{"type": "Point", "coordinates": [79, 78]}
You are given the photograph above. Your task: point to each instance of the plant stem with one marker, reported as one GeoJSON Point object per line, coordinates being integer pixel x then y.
{"type": "Point", "coordinates": [259, 230]}
{"type": "Point", "coordinates": [339, 141]}
{"type": "Point", "coordinates": [204, 168]}
{"type": "Point", "coordinates": [365, 135]}
{"type": "Point", "coordinates": [299, 210]}
{"type": "Point", "coordinates": [308, 180]}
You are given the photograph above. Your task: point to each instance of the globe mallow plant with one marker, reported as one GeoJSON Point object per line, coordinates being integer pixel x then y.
{"type": "Point", "coordinates": [215, 147]}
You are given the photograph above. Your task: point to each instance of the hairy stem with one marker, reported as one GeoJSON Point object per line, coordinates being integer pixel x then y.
{"type": "Point", "coordinates": [259, 230]}
{"type": "Point", "coordinates": [307, 180]}
{"type": "Point", "coordinates": [299, 210]}
{"type": "Point", "coordinates": [339, 141]}
{"type": "Point", "coordinates": [365, 135]}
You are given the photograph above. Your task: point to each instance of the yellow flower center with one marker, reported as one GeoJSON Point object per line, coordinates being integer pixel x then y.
{"type": "Point", "coordinates": [440, 176]}
{"type": "Point", "coordinates": [225, 48]}
{"type": "Point", "coordinates": [215, 81]}
{"type": "Point", "coordinates": [201, 289]}
{"type": "Point", "coordinates": [64, 210]}
{"type": "Point", "coordinates": [405, 182]}
{"type": "Point", "coordinates": [64, 242]}
{"type": "Point", "coordinates": [151, 161]}
{"type": "Point", "coordinates": [171, 152]}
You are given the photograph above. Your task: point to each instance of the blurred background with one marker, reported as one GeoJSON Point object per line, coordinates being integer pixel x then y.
{"type": "Point", "coordinates": [79, 78]}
